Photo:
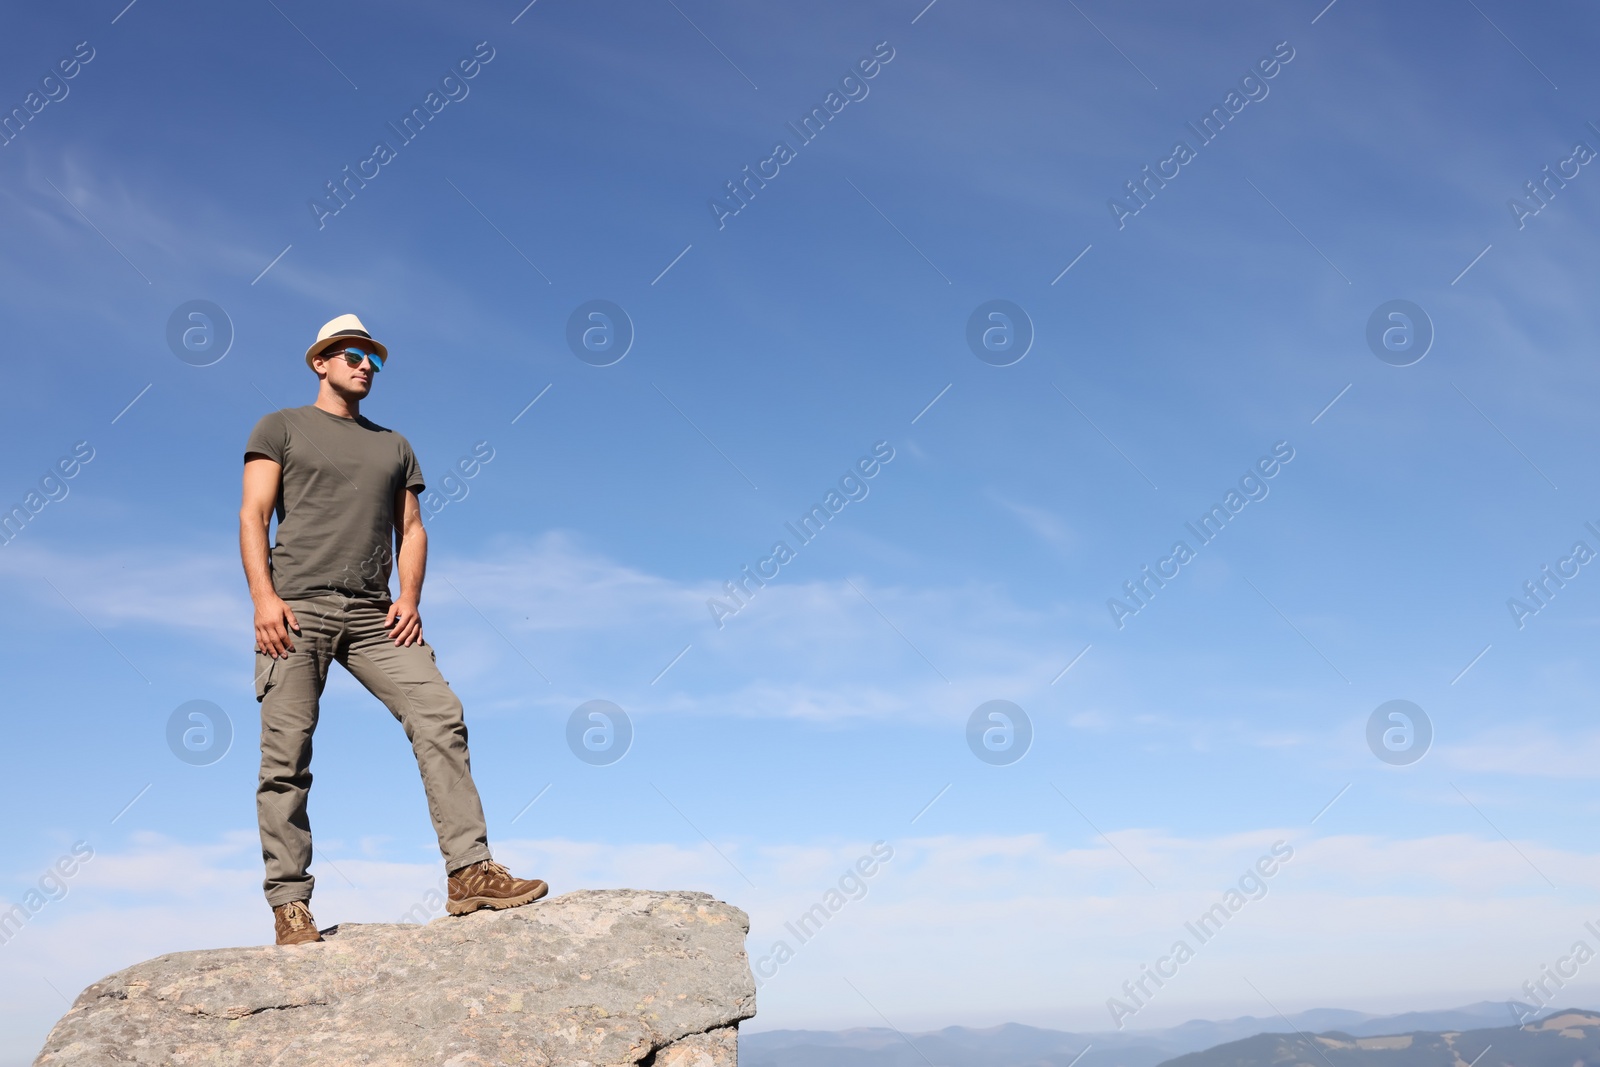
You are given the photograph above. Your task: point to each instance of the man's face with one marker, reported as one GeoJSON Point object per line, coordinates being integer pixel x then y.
{"type": "Point", "coordinates": [345, 379]}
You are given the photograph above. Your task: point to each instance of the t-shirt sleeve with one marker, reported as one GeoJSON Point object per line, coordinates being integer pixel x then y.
{"type": "Point", "coordinates": [413, 469]}
{"type": "Point", "coordinates": [270, 438]}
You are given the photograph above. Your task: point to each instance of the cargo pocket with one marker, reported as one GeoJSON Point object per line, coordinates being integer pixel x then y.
{"type": "Point", "coordinates": [435, 658]}
{"type": "Point", "coordinates": [266, 674]}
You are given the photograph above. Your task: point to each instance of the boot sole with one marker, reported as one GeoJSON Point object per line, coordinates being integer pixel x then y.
{"type": "Point", "coordinates": [302, 941]}
{"type": "Point", "coordinates": [317, 938]}
{"type": "Point", "coordinates": [472, 904]}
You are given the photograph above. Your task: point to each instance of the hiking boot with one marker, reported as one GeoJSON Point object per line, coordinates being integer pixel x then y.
{"type": "Point", "coordinates": [294, 924]}
{"type": "Point", "coordinates": [486, 884]}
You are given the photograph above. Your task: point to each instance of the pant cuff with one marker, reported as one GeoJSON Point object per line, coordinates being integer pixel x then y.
{"type": "Point", "coordinates": [472, 855]}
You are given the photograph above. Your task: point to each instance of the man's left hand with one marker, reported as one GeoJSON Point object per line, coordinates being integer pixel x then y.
{"type": "Point", "coordinates": [403, 622]}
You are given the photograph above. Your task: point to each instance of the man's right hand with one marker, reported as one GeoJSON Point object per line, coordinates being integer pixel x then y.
{"type": "Point", "coordinates": [272, 636]}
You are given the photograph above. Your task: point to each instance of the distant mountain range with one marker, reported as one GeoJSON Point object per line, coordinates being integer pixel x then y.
{"type": "Point", "coordinates": [1563, 1039]}
{"type": "Point", "coordinates": [1244, 1042]}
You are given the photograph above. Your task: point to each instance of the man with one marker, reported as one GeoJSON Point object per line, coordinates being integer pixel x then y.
{"type": "Point", "coordinates": [344, 490]}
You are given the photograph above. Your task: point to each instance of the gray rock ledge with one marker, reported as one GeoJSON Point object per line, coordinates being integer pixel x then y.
{"type": "Point", "coordinates": [597, 977]}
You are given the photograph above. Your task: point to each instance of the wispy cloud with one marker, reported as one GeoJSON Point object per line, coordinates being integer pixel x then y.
{"type": "Point", "coordinates": [1033, 911]}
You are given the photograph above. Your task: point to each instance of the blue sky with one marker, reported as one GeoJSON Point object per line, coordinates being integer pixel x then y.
{"type": "Point", "coordinates": [770, 354]}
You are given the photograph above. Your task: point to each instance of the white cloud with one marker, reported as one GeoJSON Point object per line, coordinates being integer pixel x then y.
{"type": "Point", "coordinates": [1528, 750]}
{"type": "Point", "coordinates": [800, 649]}
{"type": "Point", "coordinates": [558, 586]}
{"type": "Point", "coordinates": [1054, 930]}
{"type": "Point", "coordinates": [1046, 525]}
{"type": "Point", "coordinates": [196, 593]}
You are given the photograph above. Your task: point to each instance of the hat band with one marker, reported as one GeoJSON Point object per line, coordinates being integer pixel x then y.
{"type": "Point", "coordinates": [349, 333]}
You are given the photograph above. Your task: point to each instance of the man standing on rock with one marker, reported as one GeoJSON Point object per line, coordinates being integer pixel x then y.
{"type": "Point", "coordinates": [345, 493]}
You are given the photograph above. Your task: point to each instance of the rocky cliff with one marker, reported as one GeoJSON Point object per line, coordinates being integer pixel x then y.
{"type": "Point", "coordinates": [591, 978]}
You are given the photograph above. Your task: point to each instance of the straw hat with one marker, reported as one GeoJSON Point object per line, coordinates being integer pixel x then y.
{"type": "Point", "coordinates": [343, 326]}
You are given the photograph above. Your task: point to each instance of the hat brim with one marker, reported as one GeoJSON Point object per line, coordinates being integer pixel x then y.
{"type": "Point", "coordinates": [345, 335]}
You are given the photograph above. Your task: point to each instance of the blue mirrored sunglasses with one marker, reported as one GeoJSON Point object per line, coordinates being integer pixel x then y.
{"type": "Point", "coordinates": [354, 356]}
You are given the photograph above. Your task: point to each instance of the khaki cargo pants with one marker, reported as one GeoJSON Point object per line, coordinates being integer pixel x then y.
{"type": "Point", "coordinates": [406, 679]}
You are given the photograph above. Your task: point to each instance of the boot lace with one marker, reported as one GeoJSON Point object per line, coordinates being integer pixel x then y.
{"type": "Point", "coordinates": [488, 868]}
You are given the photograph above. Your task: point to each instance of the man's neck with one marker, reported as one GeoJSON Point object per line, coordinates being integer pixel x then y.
{"type": "Point", "coordinates": [335, 404]}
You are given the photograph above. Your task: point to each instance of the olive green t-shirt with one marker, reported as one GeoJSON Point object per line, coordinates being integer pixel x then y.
{"type": "Point", "coordinates": [336, 501]}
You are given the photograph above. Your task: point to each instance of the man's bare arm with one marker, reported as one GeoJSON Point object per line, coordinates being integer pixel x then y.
{"type": "Point", "coordinates": [411, 556]}
{"type": "Point", "coordinates": [262, 477]}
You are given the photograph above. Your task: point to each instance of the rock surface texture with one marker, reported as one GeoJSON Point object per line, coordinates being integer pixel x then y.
{"type": "Point", "coordinates": [597, 978]}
